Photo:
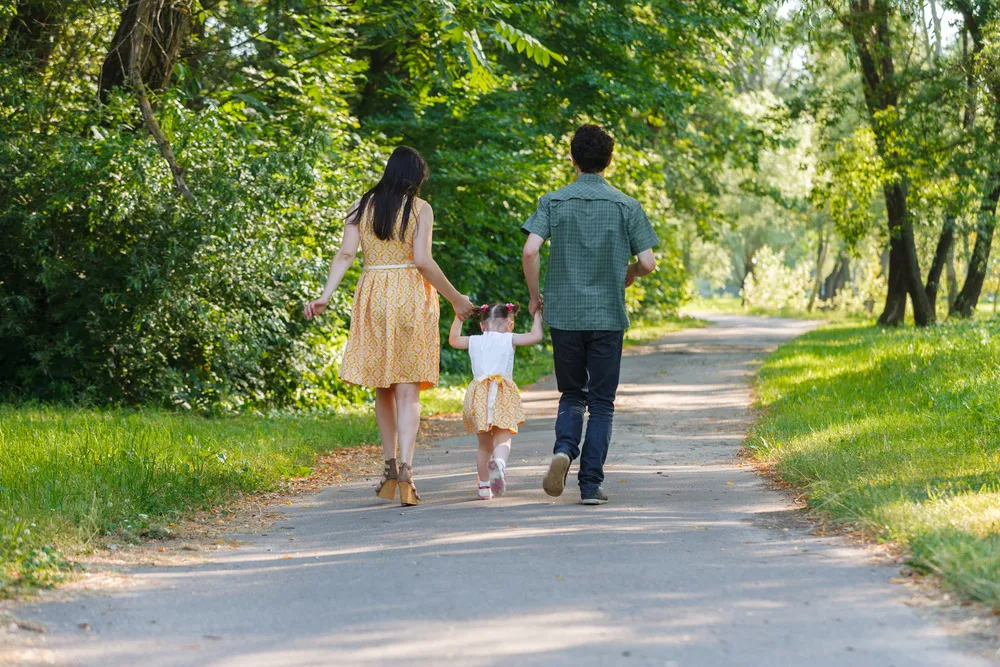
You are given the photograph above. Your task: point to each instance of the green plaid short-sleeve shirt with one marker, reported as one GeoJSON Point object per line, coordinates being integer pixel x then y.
{"type": "Point", "coordinates": [594, 230]}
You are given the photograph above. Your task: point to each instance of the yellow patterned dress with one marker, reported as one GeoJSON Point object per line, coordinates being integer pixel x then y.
{"type": "Point", "coordinates": [394, 335]}
{"type": "Point", "coordinates": [492, 400]}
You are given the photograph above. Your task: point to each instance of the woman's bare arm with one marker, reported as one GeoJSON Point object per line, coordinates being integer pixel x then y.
{"type": "Point", "coordinates": [338, 267]}
{"type": "Point", "coordinates": [423, 257]}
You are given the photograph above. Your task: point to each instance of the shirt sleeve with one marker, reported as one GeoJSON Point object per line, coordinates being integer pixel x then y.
{"type": "Point", "coordinates": [538, 223]}
{"type": "Point", "coordinates": [641, 236]}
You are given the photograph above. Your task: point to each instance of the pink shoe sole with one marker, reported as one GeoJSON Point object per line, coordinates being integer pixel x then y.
{"type": "Point", "coordinates": [498, 478]}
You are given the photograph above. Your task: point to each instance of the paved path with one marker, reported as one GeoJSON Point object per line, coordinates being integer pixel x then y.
{"type": "Point", "coordinates": [689, 565]}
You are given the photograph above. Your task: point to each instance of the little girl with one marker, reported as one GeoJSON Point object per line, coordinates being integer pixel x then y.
{"type": "Point", "coordinates": [493, 403]}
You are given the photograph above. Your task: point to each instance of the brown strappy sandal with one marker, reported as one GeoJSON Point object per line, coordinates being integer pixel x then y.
{"type": "Point", "coordinates": [387, 487]}
{"type": "Point", "coordinates": [407, 491]}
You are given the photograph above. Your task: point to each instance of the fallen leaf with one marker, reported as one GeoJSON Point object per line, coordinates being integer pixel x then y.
{"type": "Point", "coordinates": [286, 556]}
{"type": "Point", "coordinates": [729, 483]}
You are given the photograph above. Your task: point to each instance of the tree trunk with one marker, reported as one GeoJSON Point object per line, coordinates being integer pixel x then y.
{"type": "Point", "coordinates": [901, 225]}
{"type": "Point", "coordinates": [895, 299]}
{"type": "Point", "coordinates": [979, 262]}
{"type": "Point", "coordinates": [843, 274]}
{"type": "Point", "coordinates": [32, 35]}
{"type": "Point", "coordinates": [945, 245]}
{"type": "Point", "coordinates": [820, 260]}
{"type": "Point", "coordinates": [952, 278]}
{"type": "Point", "coordinates": [869, 23]}
{"type": "Point", "coordinates": [936, 17]}
{"type": "Point", "coordinates": [144, 18]}
{"type": "Point", "coordinates": [164, 26]}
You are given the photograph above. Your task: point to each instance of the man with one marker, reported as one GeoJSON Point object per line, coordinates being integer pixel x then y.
{"type": "Point", "coordinates": [594, 231]}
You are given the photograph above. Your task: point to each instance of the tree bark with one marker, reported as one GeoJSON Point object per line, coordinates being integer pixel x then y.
{"type": "Point", "coordinates": [945, 245]}
{"type": "Point", "coordinates": [164, 26]}
{"type": "Point", "coordinates": [146, 13]}
{"type": "Point", "coordinates": [895, 300]}
{"type": "Point", "coordinates": [968, 298]}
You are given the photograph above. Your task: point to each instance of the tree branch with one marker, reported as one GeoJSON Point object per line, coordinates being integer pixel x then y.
{"type": "Point", "coordinates": [139, 88]}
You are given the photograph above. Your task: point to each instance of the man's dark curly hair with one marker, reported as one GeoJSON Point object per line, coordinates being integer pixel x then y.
{"type": "Point", "coordinates": [592, 148]}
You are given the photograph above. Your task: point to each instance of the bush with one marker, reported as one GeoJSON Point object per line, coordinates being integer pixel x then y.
{"type": "Point", "coordinates": [773, 284]}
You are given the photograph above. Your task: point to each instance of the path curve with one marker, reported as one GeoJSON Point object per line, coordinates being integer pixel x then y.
{"type": "Point", "coordinates": [692, 562]}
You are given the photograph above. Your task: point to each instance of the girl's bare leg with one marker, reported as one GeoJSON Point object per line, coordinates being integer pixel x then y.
{"type": "Point", "coordinates": [385, 415]}
{"type": "Point", "coordinates": [483, 456]}
{"type": "Point", "coordinates": [501, 444]}
{"type": "Point", "coordinates": [407, 419]}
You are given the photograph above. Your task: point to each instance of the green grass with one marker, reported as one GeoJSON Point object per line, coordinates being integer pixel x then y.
{"type": "Point", "coordinates": [897, 433]}
{"type": "Point", "coordinates": [732, 305]}
{"type": "Point", "coordinates": [72, 477]}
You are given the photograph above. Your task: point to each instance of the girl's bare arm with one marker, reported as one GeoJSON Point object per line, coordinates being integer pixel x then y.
{"type": "Point", "coordinates": [533, 337]}
{"type": "Point", "coordinates": [455, 337]}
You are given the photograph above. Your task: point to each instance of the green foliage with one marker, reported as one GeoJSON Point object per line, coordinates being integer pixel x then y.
{"type": "Point", "coordinates": [113, 290]}
{"type": "Point", "coordinates": [70, 477]}
{"type": "Point", "coordinates": [895, 432]}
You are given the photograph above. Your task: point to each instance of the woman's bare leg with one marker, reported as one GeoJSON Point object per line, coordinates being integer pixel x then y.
{"type": "Point", "coordinates": [483, 456]}
{"type": "Point", "coordinates": [385, 415]}
{"type": "Point", "coordinates": [407, 419]}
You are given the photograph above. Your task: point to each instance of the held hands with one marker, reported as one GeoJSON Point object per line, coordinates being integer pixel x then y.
{"type": "Point", "coordinates": [314, 308]}
{"type": "Point", "coordinates": [464, 307]}
{"type": "Point", "coordinates": [536, 305]}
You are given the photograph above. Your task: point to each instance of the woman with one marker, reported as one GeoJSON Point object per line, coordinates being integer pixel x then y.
{"type": "Point", "coordinates": [394, 345]}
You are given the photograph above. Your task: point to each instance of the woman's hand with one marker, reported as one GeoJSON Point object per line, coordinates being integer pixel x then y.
{"type": "Point", "coordinates": [314, 308]}
{"type": "Point", "coordinates": [463, 307]}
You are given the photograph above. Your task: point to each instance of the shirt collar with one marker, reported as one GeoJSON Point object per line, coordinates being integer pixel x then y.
{"type": "Point", "coordinates": [589, 178]}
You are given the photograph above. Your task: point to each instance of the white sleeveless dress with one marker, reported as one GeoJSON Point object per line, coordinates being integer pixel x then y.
{"type": "Point", "coordinates": [492, 400]}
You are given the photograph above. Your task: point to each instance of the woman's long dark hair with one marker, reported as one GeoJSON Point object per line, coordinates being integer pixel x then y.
{"type": "Point", "coordinates": [404, 175]}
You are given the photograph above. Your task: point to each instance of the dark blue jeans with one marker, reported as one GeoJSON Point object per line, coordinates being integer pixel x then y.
{"type": "Point", "coordinates": [587, 367]}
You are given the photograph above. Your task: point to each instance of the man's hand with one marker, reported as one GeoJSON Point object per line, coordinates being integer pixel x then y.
{"type": "Point", "coordinates": [536, 305]}
{"type": "Point", "coordinates": [630, 275]}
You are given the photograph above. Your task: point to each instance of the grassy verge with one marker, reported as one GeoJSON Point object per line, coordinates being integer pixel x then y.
{"type": "Point", "coordinates": [70, 476]}
{"type": "Point", "coordinates": [896, 432]}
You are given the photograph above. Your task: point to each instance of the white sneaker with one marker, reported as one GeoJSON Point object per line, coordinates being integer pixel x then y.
{"type": "Point", "coordinates": [498, 476]}
{"type": "Point", "coordinates": [484, 491]}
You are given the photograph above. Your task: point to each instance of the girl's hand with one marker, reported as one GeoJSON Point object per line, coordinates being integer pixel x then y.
{"type": "Point", "coordinates": [314, 308]}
